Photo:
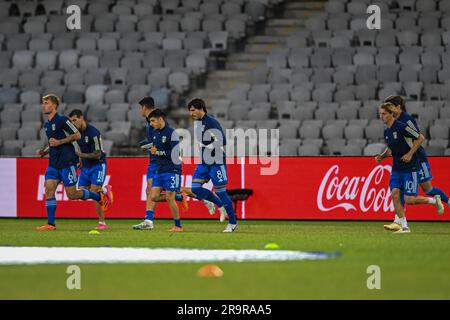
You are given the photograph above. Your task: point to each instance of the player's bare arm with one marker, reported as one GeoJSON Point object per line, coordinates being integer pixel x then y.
{"type": "Point", "coordinates": [43, 151]}
{"type": "Point", "coordinates": [97, 154]}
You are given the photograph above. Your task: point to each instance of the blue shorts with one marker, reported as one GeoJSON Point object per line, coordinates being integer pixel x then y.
{"type": "Point", "coordinates": [167, 181]}
{"type": "Point", "coordinates": [424, 172]}
{"type": "Point", "coordinates": [68, 176]}
{"type": "Point", "coordinates": [151, 170]}
{"type": "Point", "coordinates": [405, 181]}
{"type": "Point", "coordinates": [93, 175]}
{"type": "Point", "coordinates": [216, 172]}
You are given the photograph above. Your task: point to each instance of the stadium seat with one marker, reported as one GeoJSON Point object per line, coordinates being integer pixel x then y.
{"type": "Point", "coordinates": [308, 150]}
{"type": "Point", "coordinates": [373, 149]}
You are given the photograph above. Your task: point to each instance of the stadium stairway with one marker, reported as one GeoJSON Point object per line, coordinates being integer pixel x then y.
{"type": "Point", "coordinates": [238, 65]}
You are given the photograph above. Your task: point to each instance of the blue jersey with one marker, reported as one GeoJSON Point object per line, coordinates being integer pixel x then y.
{"type": "Point", "coordinates": [411, 122]}
{"type": "Point", "coordinates": [399, 139]}
{"type": "Point", "coordinates": [63, 156]}
{"type": "Point", "coordinates": [211, 140]}
{"type": "Point", "coordinates": [166, 142]}
{"type": "Point", "coordinates": [91, 141]}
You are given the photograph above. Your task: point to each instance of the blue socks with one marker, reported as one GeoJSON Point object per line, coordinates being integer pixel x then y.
{"type": "Point", "coordinates": [149, 215]}
{"type": "Point", "coordinates": [436, 191]}
{"type": "Point", "coordinates": [205, 194]}
{"type": "Point", "coordinates": [50, 205]}
{"type": "Point", "coordinates": [178, 197]}
{"type": "Point", "coordinates": [177, 222]}
{"type": "Point", "coordinates": [90, 195]}
{"type": "Point", "coordinates": [223, 195]}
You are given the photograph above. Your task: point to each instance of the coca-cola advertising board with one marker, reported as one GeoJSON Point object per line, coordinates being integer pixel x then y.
{"type": "Point", "coordinates": [309, 188]}
{"type": "Point", "coordinates": [335, 188]}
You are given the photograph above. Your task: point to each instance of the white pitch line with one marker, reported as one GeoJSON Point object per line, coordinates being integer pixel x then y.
{"type": "Point", "coordinates": [64, 255]}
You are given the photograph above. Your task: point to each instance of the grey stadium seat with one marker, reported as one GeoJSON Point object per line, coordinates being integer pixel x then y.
{"type": "Point", "coordinates": [373, 149]}
{"type": "Point", "coordinates": [179, 81]}
{"type": "Point", "coordinates": [12, 147]}
{"type": "Point", "coordinates": [351, 150]}
{"type": "Point", "coordinates": [331, 131]}
{"type": "Point", "coordinates": [439, 132]}
{"type": "Point", "coordinates": [27, 133]}
{"type": "Point", "coordinates": [309, 131]}
{"type": "Point", "coordinates": [375, 132]}
{"type": "Point", "coordinates": [308, 150]}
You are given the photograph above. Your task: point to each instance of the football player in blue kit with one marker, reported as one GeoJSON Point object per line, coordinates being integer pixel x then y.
{"type": "Point", "coordinates": [402, 142]}
{"type": "Point", "coordinates": [424, 171]}
{"type": "Point", "coordinates": [93, 160]}
{"type": "Point", "coordinates": [166, 149]}
{"type": "Point", "coordinates": [146, 106]}
{"type": "Point", "coordinates": [61, 133]}
{"type": "Point", "coordinates": [211, 138]}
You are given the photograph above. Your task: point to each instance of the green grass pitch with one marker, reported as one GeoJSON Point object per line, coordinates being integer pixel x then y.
{"type": "Point", "coordinates": [413, 266]}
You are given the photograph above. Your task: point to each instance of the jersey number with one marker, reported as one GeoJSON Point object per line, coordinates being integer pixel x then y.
{"type": "Point", "coordinates": [410, 187]}
{"type": "Point", "coordinates": [219, 175]}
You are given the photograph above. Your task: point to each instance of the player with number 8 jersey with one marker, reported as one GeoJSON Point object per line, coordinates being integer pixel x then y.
{"type": "Point", "coordinates": [211, 138]}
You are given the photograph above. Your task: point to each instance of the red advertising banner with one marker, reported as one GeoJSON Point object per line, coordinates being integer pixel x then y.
{"type": "Point", "coordinates": [335, 188]}
{"type": "Point", "coordinates": [322, 188]}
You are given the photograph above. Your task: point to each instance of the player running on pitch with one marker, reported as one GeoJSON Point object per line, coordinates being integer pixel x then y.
{"type": "Point", "coordinates": [166, 150]}
{"type": "Point", "coordinates": [146, 106]}
{"type": "Point", "coordinates": [424, 171]}
{"type": "Point", "coordinates": [62, 162]}
{"type": "Point", "coordinates": [402, 142]}
{"type": "Point", "coordinates": [93, 159]}
{"type": "Point", "coordinates": [209, 134]}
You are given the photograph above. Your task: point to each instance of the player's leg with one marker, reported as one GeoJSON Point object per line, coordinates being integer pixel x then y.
{"type": "Point", "coordinates": [417, 200]}
{"type": "Point", "coordinates": [69, 178]}
{"type": "Point", "coordinates": [425, 177]}
{"type": "Point", "coordinates": [208, 204]}
{"type": "Point", "coordinates": [180, 197]}
{"type": "Point", "coordinates": [150, 207]}
{"type": "Point", "coordinates": [399, 210]}
{"type": "Point", "coordinates": [438, 195]}
{"type": "Point", "coordinates": [97, 178]}
{"type": "Point", "coordinates": [219, 178]}
{"type": "Point", "coordinates": [170, 196]}
{"type": "Point", "coordinates": [51, 183]}
{"type": "Point", "coordinates": [85, 181]}
{"type": "Point", "coordinates": [100, 212]}
{"type": "Point", "coordinates": [154, 192]}
{"type": "Point", "coordinates": [395, 183]}
{"type": "Point", "coordinates": [201, 176]}
{"type": "Point", "coordinates": [410, 188]}
{"type": "Point", "coordinates": [171, 183]}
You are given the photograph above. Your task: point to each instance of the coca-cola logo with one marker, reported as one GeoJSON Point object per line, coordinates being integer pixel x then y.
{"type": "Point", "coordinates": [349, 193]}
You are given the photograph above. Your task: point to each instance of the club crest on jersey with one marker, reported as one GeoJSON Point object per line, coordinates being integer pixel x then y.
{"type": "Point", "coordinates": [395, 134]}
{"type": "Point", "coordinates": [86, 139]}
{"type": "Point", "coordinates": [164, 138]}
{"type": "Point", "coordinates": [53, 127]}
